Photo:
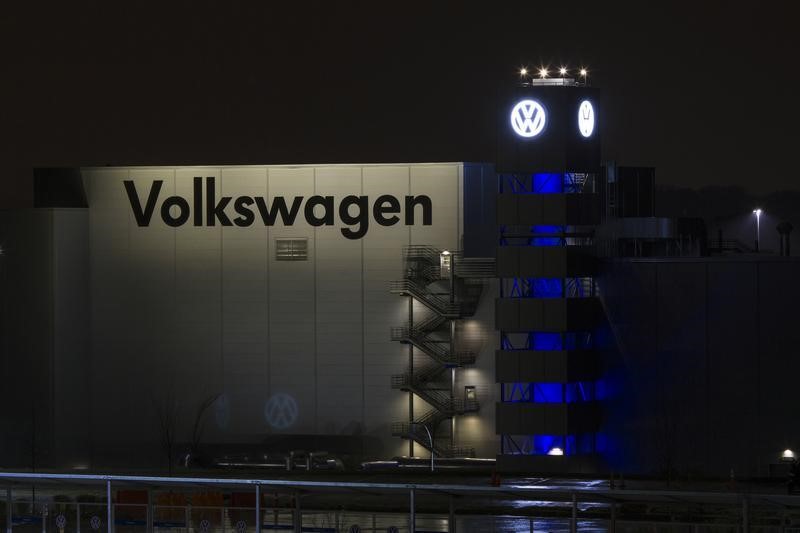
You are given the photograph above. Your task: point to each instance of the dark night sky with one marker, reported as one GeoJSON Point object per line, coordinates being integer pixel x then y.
{"type": "Point", "coordinates": [702, 90]}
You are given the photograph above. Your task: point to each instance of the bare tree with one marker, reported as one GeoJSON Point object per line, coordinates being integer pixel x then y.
{"type": "Point", "coordinates": [200, 423]}
{"type": "Point", "coordinates": [167, 416]}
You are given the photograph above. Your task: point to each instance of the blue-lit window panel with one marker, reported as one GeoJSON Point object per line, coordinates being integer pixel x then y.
{"type": "Point", "coordinates": [533, 287]}
{"type": "Point", "coordinates": [548, 288]}
{"type": "Point", "coordinates": [547, 444]}
{"type": "Point", "coordinates": [519, 288]}
{"type": "Point", "coordinates": [506, 343]}
{"type": "Point", "coordinates": [577, 392]}
{"type": "Point", "coordinates": [518, 341]}
{"type": "Point", "coordinates": [578, 340]}
{"type": "Point", "coordinates": [542, 444]}
{"type": "Point", "coordinates": [548, 393]}
{"type": "Point", "coordinates": [578, 183]}
{"type": "Point", "coordinates": [547, 241]}
{"type": "Point", "coordinates": [579, 287]}
{"type": "Point", "coordinates": [582, 391]}
{"type": "Point", "coordinates": [517, 392]}
{"type": "Point", "coordinates": [548, 183]}
{"type": "Point", "coordinates": [514, 183]}
{"type": "Point", "coordinates": [547, 341]}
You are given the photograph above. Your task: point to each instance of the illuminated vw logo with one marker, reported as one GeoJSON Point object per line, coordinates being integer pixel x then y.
{"type": "Point", "coordinates": [586, 118]}
{"type": "Point", "coordinates": [528, 118]}
{"type": "Point", "coordinates": [281, 411]}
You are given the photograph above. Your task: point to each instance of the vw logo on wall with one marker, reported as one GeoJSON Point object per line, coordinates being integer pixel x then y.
{"type": "Point", "coordinates": [528, 118]}
{"type": "Point", "coordinates": [586, 118]}
{"type": "Point", "coordinates": [281, 411]}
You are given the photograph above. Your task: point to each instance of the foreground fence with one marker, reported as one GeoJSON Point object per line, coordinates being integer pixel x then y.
{"type": "Point", "coordinates": [69, 503]}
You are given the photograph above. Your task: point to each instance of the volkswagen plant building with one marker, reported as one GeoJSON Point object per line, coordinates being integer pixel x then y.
{"type": "Point", "coordinates": [531, 309]}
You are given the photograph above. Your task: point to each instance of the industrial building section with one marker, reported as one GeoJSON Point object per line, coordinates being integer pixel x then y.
{"type": "Point", "coordinates": [291, 328]}
{"type": "Point", "coordinates": [534, 310]}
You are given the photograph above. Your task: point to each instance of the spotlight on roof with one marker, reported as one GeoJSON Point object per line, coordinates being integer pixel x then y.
{"type": "Point", "coordinates": [523, 71]}
{"type": "Point", "coordinates": [757, 212]}
{"type": "Point", "coordinates": [787, 455]}
{"type": "Point", "coordinates": [584, 72]}
{"type": "Point", "coordinates": [543, 72]}
{"type": "Point", "coordinates": [555, 450]}
{"type": "Point", "coordinates": [563, 71]}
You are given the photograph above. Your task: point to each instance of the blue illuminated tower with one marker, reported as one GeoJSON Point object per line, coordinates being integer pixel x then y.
{"type": "Point", "coordinates": [547, 310]}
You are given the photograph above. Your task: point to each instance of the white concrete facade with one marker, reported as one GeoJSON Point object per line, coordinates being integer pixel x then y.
{"type": "Point", "coordinates": [191, 312]}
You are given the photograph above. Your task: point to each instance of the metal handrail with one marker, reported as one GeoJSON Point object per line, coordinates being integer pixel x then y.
{"type": "Point", "coordinates": [539, 494]}
{"type": "Point", "coordinates": [439, 351]}
{"type": "Point", "coordinates": [430, 300]}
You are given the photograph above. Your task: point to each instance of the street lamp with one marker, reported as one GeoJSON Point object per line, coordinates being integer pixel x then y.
{"type": "Point", "coordinates": [430, 438]}
{"type": "Point", "coordinates": [757, 213]}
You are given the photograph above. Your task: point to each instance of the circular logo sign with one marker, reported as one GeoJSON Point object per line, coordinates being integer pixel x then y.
{"type": "Point", "coordinates": [94, 522]}
{"type": "Point", "coordinates": [241, 526]}
{"type": "Point", "coordinates": [205, 525]}
{"type": "Point", "coordinates": [355, 528]}
{"type": "Point", "coordinates": [61, 521]}
{"type": "Point", "coordinates": [528, 118]}
{"type": "Point", "coordinates": [281, 411]}
{"type": "Point", "coordinates": [586, 118]}
{"type": "Point", "coordinates": [392, 529]}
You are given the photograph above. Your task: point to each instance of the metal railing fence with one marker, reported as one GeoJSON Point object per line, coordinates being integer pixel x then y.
{"type": "Point", "coordinates": [570, 505]}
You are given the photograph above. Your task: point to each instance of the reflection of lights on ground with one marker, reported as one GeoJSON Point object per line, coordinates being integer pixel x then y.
{"type": "Point", "coordinates": [521, 504]}
{"type": "Point", "coordinates": [550, 483]}
{"type": "Point", "coordinates": [515, 524]}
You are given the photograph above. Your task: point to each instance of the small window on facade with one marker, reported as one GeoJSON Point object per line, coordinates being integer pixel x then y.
{"type": "Point", "coordinates": [445, 262]}
{"type": "Point", "coordinates": [469, 393]}
{"type": "Point", "coordinates": [291, 249]}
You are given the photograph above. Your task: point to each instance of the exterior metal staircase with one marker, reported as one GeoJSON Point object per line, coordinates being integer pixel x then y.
{"type": "Point", "coordinates": [441, 446]}
{"type": "Point", "coordinates": [449, 286]}
{"type": "Point", "coordinates": [439, 351]}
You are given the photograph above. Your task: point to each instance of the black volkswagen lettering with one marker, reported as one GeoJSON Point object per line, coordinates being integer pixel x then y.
{"type": "Point", "coordinates": [216, 210]}
{"type": "Point", "coordinates": [381, 209]}
{"type": "Point", "coordinates": [353, 211]}
{"type": "Point", "coordinates": [242, 208]}
{"type": "Point", "coordinates": [427, 209]}
{"type": "Point", "coordinates": [362, 218]}
{"type": "Point", "coordinates": [327, 204]}
{"type": "Point", "coordinates": [278, 206]}
{"type": "Point", "coordinates": [183, 211]}
{"type": "Point", "coordinates": [143, 216]}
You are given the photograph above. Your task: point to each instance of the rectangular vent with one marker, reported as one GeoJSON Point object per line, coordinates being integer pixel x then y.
{"type": "Point", "coordinates": [291, 249]}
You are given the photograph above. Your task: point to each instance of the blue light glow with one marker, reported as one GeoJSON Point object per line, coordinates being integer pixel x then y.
{"type": "Point", "coordinates": [576, 392]}
{"type": "Point", "coordinates": [548, 393]}
{"type": "Point", "coordinates": [546, 241]}
{"type": "Point", "coordinates": [547, 341]}
{"type": "Point", "coordinates": [548, 183]}
{"type": "Point", "coordinates": [547, 288]}
{"type": "Point", "coordinates": [543, 444]}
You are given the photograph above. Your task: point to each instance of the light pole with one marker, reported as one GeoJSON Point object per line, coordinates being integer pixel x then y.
{"type": "Point", "coordinates": [430, 438]}
{"type": "Point", "coordinates": [757, 213]}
